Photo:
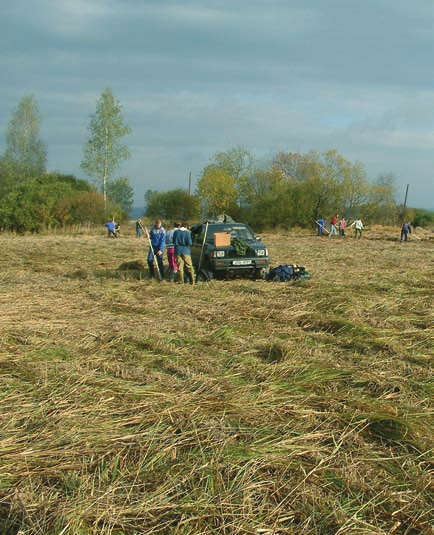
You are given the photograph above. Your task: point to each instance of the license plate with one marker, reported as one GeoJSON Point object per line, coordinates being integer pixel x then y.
{"type": "Point", "coordinates": [241, 262]}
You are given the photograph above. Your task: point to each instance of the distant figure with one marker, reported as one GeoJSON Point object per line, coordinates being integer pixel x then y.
{"type": "Point", "coordinates": [182, 243]}
{"type": "Point", "coordinates": [341, 225]}
{"type": "Point", "coordinates": [111, 226]}
{"type": "Point", "coordinates": [405, 231]}
{"type": "Point", "coordinates": [321, 227]}
{"type": "Point", "coordinates": [333, 222]}
{"type": "Point", "coordinates": [358, 227]}
{"type": "Point", "coordinates": [138, 228]}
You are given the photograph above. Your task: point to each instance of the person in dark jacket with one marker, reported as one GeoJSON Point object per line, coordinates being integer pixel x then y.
{"type": "Point", "coordinates": [182, 243]}
{"type": "Point", "coordinates": [405, 231]}
{"type": "Point", "coordinates": [157, 236]}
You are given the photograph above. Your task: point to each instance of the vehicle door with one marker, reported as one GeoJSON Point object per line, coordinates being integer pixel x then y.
{"type": "Point", "coordinates": [197, 240]}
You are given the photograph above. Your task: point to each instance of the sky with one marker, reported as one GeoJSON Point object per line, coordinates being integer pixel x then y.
{"type": "Point", "coordinates": [197, 77]}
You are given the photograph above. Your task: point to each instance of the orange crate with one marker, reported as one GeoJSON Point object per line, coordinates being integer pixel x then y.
{"type": "Point", "coordinates": [222, 239]}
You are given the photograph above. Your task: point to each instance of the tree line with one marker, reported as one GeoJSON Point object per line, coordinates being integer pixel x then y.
{"type": "Point", "coordinates": [32, 199]}
{"type": "Point", "coordinates": [288, 190]}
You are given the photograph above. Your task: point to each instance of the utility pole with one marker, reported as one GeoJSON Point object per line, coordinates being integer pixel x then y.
{"type": "Point", "coordinates": [405, 203]}
{"type": "Point", "coordinates": [189, 184]}
{"type": "Point", "coordinates": [405, 200]}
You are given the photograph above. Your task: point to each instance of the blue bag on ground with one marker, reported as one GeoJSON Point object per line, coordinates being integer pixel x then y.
{"type": "Point", "coordinates": [286, 273]}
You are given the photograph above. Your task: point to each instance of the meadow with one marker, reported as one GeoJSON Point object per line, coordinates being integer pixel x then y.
{"type": "Point", "coordinates": [129, 406]}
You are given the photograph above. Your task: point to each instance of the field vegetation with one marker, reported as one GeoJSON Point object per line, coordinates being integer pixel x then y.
{"type": "Point", "coordinates": [130, 406]}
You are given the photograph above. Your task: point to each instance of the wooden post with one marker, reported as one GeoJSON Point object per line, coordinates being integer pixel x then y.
{"type": "Point", "coordinates": [405, 200]}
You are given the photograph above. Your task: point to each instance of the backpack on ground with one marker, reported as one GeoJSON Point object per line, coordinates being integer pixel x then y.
{"type": "Point", "coordinates": [286, 273]}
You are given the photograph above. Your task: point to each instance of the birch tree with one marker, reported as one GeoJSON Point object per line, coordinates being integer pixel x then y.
{"type": "Point", "coordinates": [104, 151]}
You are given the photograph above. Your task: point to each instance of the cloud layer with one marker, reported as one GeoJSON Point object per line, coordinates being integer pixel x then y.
{"type": "Point", "coordinates": [199, 77]}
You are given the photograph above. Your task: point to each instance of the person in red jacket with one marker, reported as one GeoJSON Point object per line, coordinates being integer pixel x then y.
{"type": "Point", "coordinates": [333, 222]}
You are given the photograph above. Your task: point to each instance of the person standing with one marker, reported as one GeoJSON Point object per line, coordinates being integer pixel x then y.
{"type": "Point", "coordinates": [342, 227]}
{"type": "Point", "coordinates": [111, 228]}
{"type": "Point", "coordinates": [138, 228]}
{"type": "Point", "coordinates": [170, 248]}
{"type": "Point", "coordinates": [358, 227]}
{"type": "Point", "coordinates": [333, 222]}
{"type": "Point", "coordinates": [182, 243]}
{"type": "Point", "coordinates": [157, 237]}
{"type": "Point", "coordinates": [405, 231]}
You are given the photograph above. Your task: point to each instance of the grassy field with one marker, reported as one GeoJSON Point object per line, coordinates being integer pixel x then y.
{"type": "Point", "coordinates": [129, 406]}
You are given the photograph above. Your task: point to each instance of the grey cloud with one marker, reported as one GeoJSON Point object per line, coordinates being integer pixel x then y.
{"type": "Point", "coordinates": [196, 77]}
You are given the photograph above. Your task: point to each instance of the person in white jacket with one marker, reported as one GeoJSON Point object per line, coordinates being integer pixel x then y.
{"type": "Point", "coordinates": [358, 227]}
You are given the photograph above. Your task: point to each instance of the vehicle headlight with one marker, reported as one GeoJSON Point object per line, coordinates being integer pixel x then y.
{"type": "Point", "coordinates": [217, 254]}
{"type": "Point", "coordinates": [262, 252]}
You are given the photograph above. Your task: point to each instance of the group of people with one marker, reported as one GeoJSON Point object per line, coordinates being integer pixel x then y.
{"type": "Point", "coordinates": [177, 242]}
{"type": "Point", "coordinates": [338, 226]}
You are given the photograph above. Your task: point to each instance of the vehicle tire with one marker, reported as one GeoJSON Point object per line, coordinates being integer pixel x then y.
{"type": "Point", "coordinates": [260, 274]}
{"type": "Point", "coordinates": [204, 276]}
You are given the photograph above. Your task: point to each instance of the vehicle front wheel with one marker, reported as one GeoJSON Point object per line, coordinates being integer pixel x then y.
{"type": "Point", "coordinates": [260, 273]}
{"type": "Point", "coordinates": [204, 275]}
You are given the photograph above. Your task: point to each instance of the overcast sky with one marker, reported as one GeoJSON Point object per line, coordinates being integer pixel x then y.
{"type": "Point", "coordinates": [195, 77]}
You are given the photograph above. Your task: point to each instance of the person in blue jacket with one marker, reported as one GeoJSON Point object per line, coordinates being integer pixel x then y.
{"type": "Point", "coordinates": [182, 243]}
{"type": "Point", "coordinates": [111, 228]}
{"type": "Point", "coordinates": [321, 226]}
{"type": "Point", "coordinates": [405, 231]}
{"type": "Point", "coordinates": [157, 236]}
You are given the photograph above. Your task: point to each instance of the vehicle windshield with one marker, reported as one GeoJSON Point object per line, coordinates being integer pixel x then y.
{"type": "Point", "coordinates": [242, 232]}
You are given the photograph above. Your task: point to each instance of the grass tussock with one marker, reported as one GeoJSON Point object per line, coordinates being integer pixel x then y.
{"type": "Point", "coordinates": [130, 406]}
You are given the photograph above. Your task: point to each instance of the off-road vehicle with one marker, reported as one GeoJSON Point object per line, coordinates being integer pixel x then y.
{"type": "Point", "coordinates": [225, 249]}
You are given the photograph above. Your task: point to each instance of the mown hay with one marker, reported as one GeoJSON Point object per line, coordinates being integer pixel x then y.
{"type": "Point", "coordinates": [133, 406]}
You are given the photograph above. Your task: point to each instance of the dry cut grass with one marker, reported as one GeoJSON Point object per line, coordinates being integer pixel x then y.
{"type": "Point", "coordinates": [128, 406]}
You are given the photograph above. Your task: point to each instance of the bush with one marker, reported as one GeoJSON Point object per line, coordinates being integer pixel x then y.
{"type": "Point", "coordinates": [423, 218]}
